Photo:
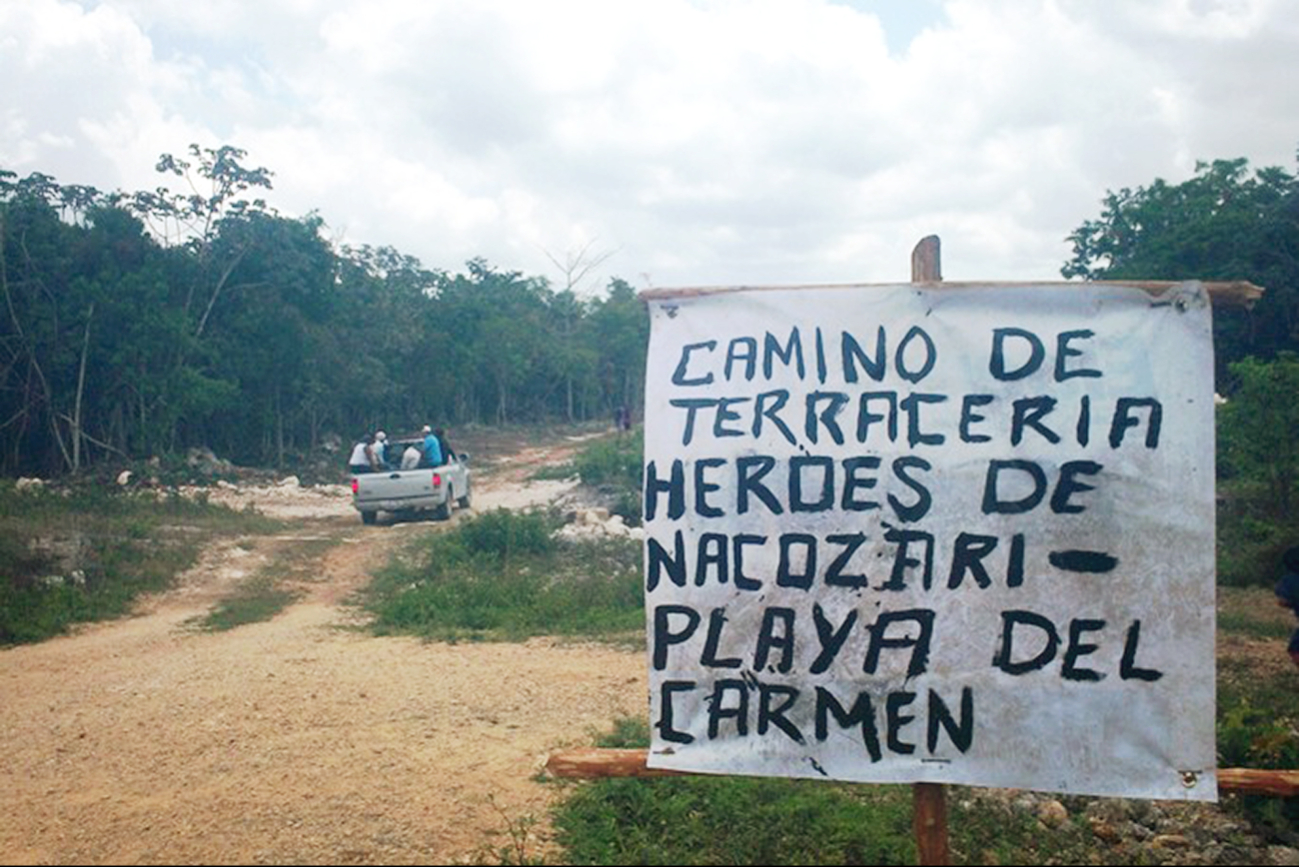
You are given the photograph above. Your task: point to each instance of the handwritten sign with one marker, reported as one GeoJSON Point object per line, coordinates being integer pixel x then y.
{"type": "Point", "coordinates": [914, 534]}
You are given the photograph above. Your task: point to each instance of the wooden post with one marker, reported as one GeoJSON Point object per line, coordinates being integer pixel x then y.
{"type": "Point", "coordinates": [926, 261]}
{"type": "Point", "coordinates": [929, 800]}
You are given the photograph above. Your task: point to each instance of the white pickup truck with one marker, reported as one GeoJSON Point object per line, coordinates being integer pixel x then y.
{"type": "Point", "coordinates": [407, 493]}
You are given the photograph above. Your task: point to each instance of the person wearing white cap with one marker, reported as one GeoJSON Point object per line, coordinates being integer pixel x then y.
{"type": "Point", "coordinates": [381, 450]}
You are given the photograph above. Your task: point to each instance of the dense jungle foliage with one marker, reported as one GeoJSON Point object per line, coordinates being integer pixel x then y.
{"type": "Point", "coordinates": [1227, 223]}
{"type": "Point", "coordinates": [143, 323]}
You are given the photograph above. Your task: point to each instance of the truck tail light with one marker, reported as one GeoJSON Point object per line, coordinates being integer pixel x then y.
{"type": "Point", "coordinates": [356, 485]}
{"type": "Point", "coordinates": [437, 480]}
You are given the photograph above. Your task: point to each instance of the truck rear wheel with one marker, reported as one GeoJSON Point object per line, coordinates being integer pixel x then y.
{"type": "Point", "coordinates": [463, 502]}
{"type": "Point", "coordinates": [443, 511]}
{"type": "Point", "coordinates": [369, 517]}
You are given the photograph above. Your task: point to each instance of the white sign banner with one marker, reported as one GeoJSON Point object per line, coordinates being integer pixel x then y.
{"type": "Point", "coordinates": [915, 534]}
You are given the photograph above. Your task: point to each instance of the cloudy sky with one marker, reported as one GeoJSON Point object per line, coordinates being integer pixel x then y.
{"type": "Point", "coordinates": [683, 142]}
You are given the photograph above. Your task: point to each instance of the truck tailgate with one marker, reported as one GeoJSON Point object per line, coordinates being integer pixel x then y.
{"type": "Point", "coordinates": [395, 490]}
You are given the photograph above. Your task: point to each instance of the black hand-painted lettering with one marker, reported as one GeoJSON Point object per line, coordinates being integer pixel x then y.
{"type": "Point", "coordinates": [1064, 351]}
{"type": "Point", "coordinates": [1085, 562]}
{"type": "Point", "coordinates": [902, 559]}
{"type": "Point", "coordinates": [691, 405]}
{"type": "Point", "coordinates": [718, 711]}
{"type": "Point", "coordinates": [992, 502]}
{"type": "Point", "coordinates": [897, 720]}
{"type": "Point", "coordinates": [830, 637]}
{"type": "Point", "coordinates": [1069, 669]}
{"type": "Point", "coordinates": [967, 556]}
{"type": "Point", "coordinates": [770, 714]}
{"type": "Point", "coordinates": [785, 574]}
{"type": "Point", "coordinates": [820, 357]}
{"type": "Point", "coordinates": [792, 351]}
{"type": "Point", "coordinates": [713, 553]}
{"type": "Point", "coordinates": [997, 359]}
{"type": "Point", "coordinates": [665, 636]}
{"type": "Point", "coordinates": [1123, 420]}
{"type": "Point", "coordinates": [1005, 648]}
{"type": "Point", "coordinates": [923, 618]}
{"type": "Point", "coordinates": [969, 417]}
{"type": "Point", "coordinates": [929, 355]}
{"type": "Point", "coordinates": [742, 581]}
{"type": "Point", "coordinates": [798, 467]}
{"type": "Point", "coordinates": [674, 487]}
{"type": "Point", "coordinates": [902, 469]}
{"type": "Point", "coordinates": [866, 418]}
{"type": "Point", "coordinates": [853, 481]}
{"type": "Point", "coordinates": [743, 350]}
{"type": "Point", "coordinates": [828, 416]}
{"type": "Point", "coordinates": [679, 375]}
{"type": "Point", "coordinates": [960, 733]}
{"type": "Point", "coordinates": [1068, 485]}
{"type": "Point", "coordinates": [1028, 412]}
{"type": "Point", "coordinates": [853, 355]}
{"type": "Point", "coordinates": [1015, 568]}
{"type": "Point", "coordinates": [1128, 669]}
{"type": "Point", "coordinates": [1084, 430]}
{"type": "Point", "coordinates": [716, 626]}
{"type": "Point", "coordinates": [703, 487]}
{"type": "Point", "coordinates": [751, 470]}
{"type": "Point", "coordinates": [835, 576]}
{"type": "Point", "coordinates": [664, 724]}
{"type": "Point", "coordinates": [725, 414]}
{"type": "Point", "coordinates": [911, 406]}
{"type": "Point", "coordinates": [658, 560]}
{"type": "Point", "coordinates": [862, 714]}
{"type": "Point", "coordinates": [779, 398]}
{"type": "Point", "coordinates": [776, 633]}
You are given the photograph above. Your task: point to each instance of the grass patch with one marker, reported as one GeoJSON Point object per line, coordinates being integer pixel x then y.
{"type": "Point", "coordinates": [503, 576]}
{"type": "Point", "coordinates": [82, 554]}
{"type": "Point", "coordinates": [748, 820]}
{"type": "Point", "coordinates": [731, 820]}
{"type": "Point", "coordinates": [257, 600]}
{"type": "Point", "coordinates": [268, 592]}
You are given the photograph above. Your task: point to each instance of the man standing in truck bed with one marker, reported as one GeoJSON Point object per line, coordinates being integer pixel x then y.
{"type": "Point", "coordinates": [432, 448]}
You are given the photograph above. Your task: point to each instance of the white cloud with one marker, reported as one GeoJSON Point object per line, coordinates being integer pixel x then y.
{"type": "Point", "coordinates": [707, 141]}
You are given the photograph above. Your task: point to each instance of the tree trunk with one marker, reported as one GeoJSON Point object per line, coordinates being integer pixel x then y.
{"type": "Point", "coordinates": [81, 390]}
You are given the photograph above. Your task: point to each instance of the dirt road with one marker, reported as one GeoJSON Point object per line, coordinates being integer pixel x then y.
{"type": "Point", "coordinates": [298, 740]}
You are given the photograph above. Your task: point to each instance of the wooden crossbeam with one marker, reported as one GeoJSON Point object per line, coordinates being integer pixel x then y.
{"type": "Point", "coordinates": [592, 763]}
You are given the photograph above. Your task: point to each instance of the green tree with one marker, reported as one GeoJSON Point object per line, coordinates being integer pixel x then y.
{"type": "Point", "coordinates": [1258, 429]}
{"type": "Point", "coordinates": [1225, 223]}
{"type": "Point", "coordinates": [620, 328]}
{"type": "Point", "coordinates": [260, 336]}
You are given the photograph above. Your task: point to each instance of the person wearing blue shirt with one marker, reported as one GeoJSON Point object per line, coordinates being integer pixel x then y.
{"type": "Point", "coordinates": [432, 448]}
